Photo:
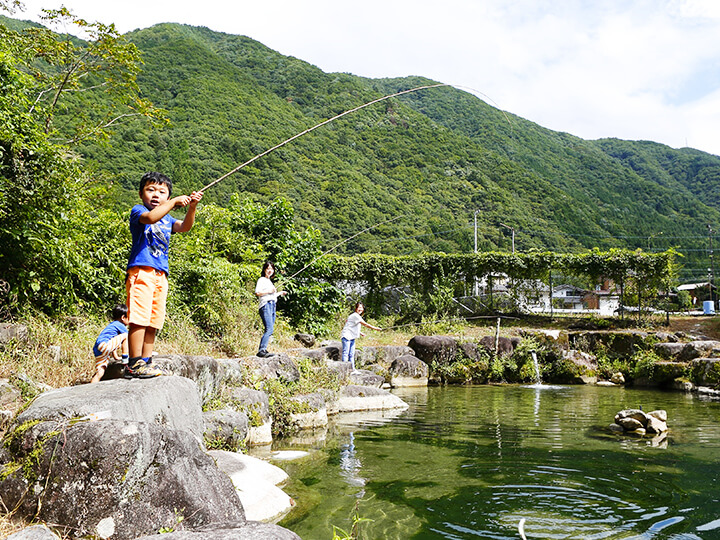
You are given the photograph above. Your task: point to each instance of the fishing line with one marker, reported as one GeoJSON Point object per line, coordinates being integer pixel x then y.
{"type": "Point", "coordinates": [340, 244]}
{"type": "Point", "coordinates": [452, 319]}
{"type": "Point", "coordinates": [324, 122]}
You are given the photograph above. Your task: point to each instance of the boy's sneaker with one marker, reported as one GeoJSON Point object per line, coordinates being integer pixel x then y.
{"type": "Point", "coordinates": [140, 370]}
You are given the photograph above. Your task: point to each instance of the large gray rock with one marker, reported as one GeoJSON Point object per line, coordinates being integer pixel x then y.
{"type": "Point", "coordinates": [314, 414]}
{"type": "Point", "coordinates": [13, 332]}
{"type": "Point", "coordinates": [441, 349]}
{"type": "Point", "coordinates": [250, 530]}
{"type": "Point", "coordinates": [584, 361]}
{"type": "Point", "coordinates": [705, 371]}
{"type": "Point", "coordinates": [332, 349]}
{"type": "Point", "coordinates": [322, 353]}
{"type": "Point", "coordinates": [232, 371]}
{"type": "Point", "coordinates": [341, 369]}
{"type": "Point", "coordinates": [256, 405]}
{"type": "Point", "coordinates": [383, 355]}
{"type": "Point", "coordinates": [408, 370]}
{"type": "Point", "coordinates": [669, 351]}
{"type": "Point", "coordinates": [470, 350]}
{"type": "Point", "coordinates": [226, 428]}
{"type": "Point", "coordinates": [114, 478]}
{"type": "Point", "coordinates": [34, 532]}
{"type": "Point", "coordinates": [699, 349]}
{"type": "Point", "coordinates": [364, 377]}
{"type": "Point", "coordinates": [277, 366]}
{"type": "Point", "coordinates": [169, 401]}
{"type": "Point", "coordinates": [204, 370]}
{"type": "Point", "coordinates": [505, 346]}
{"type": "Point", "coordinates": [624, 343]}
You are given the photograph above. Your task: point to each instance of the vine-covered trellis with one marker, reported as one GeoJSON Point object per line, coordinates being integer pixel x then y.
{"type": "Point", "coordinates": [648, 271]}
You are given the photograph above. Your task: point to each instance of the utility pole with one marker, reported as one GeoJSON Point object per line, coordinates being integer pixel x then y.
{"type": "Point", "coordinates": [513, 235]}
{"type": "Point", "coordinates": [475, 279]}
{"type": "Point", "coordinates": [654, 235]}
{"type": "Point", "coordinates": [712, 266]}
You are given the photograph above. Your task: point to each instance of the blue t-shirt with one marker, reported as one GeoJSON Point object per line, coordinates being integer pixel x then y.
{"type": "Point", "coordinates": [150, 243]}
{"type": "Point", "coordinates": [113, 329]}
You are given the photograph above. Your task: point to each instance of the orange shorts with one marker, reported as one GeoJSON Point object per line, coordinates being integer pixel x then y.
{"type": "Point", "coordinates": [147, 291]}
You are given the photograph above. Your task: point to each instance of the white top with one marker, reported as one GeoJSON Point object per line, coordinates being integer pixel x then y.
{"type": "Point", "coordinates": [351, 330]}
{"type": "Point", "coordinates": [265, 286]}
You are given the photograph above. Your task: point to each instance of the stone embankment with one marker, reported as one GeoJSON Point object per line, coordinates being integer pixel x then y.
{"type": "Point", "coordinates": [125, 459]}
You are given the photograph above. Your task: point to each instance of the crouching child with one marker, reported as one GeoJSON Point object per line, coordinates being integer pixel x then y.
{"type": "Point", "coordinates": [112, 339]}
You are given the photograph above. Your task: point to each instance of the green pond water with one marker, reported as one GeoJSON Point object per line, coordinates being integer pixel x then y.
{"type": "Point", "coordinates": [471, 462]}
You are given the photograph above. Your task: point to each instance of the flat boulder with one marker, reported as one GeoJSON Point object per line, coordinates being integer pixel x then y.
{"type": "Point", "coordinates": [429, 349]}
{"type": "Point", "coordinates": [408, 370]}
{"type": "Point", "coordinates": [114, 478]}
{"type": "Point", "coordinates": [256, 484]}
{"type": "Point", "coordinates": [367, 398]}
{"type": "Point", "coordinates": [669, 350]}
{"type": "Point", "coordinates": [170, 401]}
{"type": "Point", "coordinates": [250, 530]}
{"type": "Point", "coordinates": [624, 343]}
{"type": "Point", "coordinates": [364, 377]}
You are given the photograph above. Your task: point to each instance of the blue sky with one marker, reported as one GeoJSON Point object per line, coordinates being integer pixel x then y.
{"type": "Point", "coordinates": [631, 69]}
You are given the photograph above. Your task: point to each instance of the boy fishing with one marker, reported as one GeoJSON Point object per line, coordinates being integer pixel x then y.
{"type": "Point", "coordinates": [148, 266]}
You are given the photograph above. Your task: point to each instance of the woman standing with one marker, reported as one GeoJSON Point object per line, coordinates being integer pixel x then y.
{"type": "Point", "coordinates": [267, 295]}
{"type": "Point", "coordinates": [351, 331]}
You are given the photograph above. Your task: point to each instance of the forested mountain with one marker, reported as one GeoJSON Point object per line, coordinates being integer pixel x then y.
{"type": "Point", "coordinates": [431, 159]}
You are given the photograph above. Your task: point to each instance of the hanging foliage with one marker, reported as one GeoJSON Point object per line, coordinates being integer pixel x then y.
{"type": "Point", "coordinates": [378, 271]}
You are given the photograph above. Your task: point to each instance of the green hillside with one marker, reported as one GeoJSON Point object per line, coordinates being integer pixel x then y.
{"type": "Point", "coordinates": [431, 159]}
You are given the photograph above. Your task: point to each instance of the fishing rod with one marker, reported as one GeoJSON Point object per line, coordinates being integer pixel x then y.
{"type": "Point", "coordinates": [455, 319]}
{"type": "Point", "coordinates": [340, 244]}
{"type": "Point", "coordinates": [324, 122]}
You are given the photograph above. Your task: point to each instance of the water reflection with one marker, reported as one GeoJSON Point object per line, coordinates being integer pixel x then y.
{"type": "Point", "coordinates": [350, 465]}
{"type": "Point", "coordinates": [471, 462]}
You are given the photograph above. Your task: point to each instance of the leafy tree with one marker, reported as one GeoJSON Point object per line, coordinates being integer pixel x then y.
{"type": "Point", "coordinates": [96, 78]}
{"type": "Point", "coordinates": [61, 247]}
